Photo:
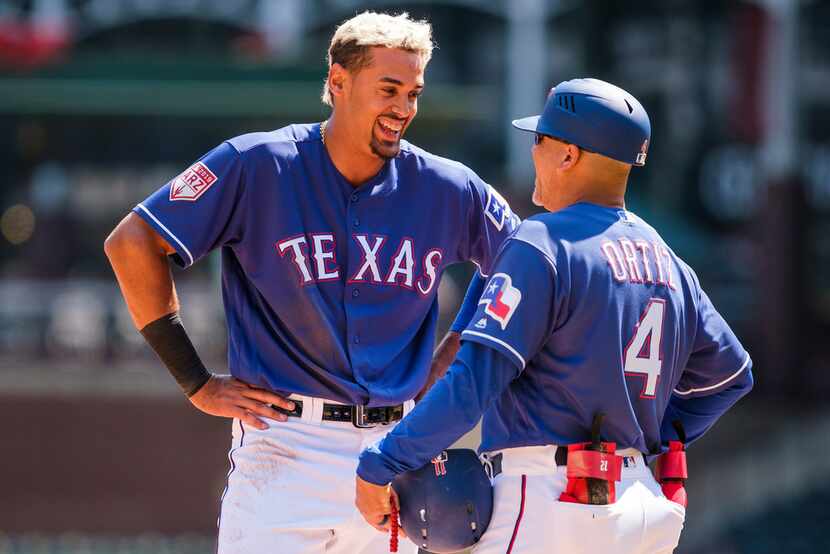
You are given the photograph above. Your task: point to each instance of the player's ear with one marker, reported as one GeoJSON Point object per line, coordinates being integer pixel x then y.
{"type": "Point", "coordinates": [338, 76]}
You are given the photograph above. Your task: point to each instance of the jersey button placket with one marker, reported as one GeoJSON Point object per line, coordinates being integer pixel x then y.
{"type": "Point", "coordinates": [353, 328]}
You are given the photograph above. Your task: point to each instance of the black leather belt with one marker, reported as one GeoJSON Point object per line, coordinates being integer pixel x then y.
{"type": "Point", "coordinates": [493, 463]}
{"type": "Point", "coordinates": [359, 416]}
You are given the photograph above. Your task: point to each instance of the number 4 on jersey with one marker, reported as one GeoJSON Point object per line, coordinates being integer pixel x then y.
{"type": "Point", "coordinates": [642, 355]}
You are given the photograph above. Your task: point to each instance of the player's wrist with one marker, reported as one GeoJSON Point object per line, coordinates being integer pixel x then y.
{"type": "Point", "coordinates": [168, 339]}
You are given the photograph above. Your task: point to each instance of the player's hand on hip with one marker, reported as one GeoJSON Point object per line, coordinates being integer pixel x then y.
{"type": "Point", "coordinates": [375, 504]}
{"type": "Point", "coordinates": [227, 396]}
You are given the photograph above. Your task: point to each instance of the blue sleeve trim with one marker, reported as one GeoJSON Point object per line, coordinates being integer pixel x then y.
{"type": "Point", "coordinates": [372, 469]}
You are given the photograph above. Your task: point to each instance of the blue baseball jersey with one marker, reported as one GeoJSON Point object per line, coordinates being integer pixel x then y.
{"type": "Point", "coordinates": [587, 310]}
{"type": "Point", "coordinates": [329, 290]}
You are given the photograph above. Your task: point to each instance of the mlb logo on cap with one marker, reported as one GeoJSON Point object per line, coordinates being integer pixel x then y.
{"type": "Point", "coordinates": [501, 298]}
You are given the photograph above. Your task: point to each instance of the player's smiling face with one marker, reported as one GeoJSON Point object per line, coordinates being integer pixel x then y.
{"type": "Point", "coordinates": [382, 99]}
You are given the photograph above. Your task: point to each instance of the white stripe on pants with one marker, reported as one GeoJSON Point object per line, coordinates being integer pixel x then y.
{"type": "Point", "coordinates": [529, 519]}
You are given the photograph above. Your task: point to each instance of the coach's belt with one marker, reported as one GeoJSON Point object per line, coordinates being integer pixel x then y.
{"type": "Point", "coordinates": [493, 463]}
{"type": "Point", "coordinates": [359, 416]}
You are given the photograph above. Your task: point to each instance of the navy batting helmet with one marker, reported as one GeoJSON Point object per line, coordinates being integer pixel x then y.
{"type": "Point", "coordinates": [596, 116]}
{"type": "Point", "coordinates": [446, 505]}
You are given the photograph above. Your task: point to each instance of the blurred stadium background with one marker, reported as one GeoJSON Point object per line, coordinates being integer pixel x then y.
{"type": "Point", "coordinates": [102, 101]}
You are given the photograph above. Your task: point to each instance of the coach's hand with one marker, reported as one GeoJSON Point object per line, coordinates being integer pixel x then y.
{"type": "Point", "coordinates": [375, 504]}
{"type": "Point", "coordinates": [227, 396]}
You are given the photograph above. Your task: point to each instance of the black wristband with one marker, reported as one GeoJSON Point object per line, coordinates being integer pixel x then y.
{"type": "Point", "coordinates": [169, 340]}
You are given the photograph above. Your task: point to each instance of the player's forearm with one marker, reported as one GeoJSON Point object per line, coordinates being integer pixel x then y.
{"type": "Point", "coordinates": [139, 261]}
{"type": "Point", "coordinates": [451, 343]}
{"type": "Point", "coordinates": [441, 360]}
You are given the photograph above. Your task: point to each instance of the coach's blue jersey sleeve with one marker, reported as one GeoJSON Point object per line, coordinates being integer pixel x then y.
{"type": "Point", "coordinates": [470, 304]}
{"type": "Point", "coordinates": [451, 408]}
{"type": "Point", "coordinates": [199, 209]}
{"type": "Point", "coordinates": [717, 357]}
{"type": "Point", "coordinates": [516, 310]}
{"type": "Point", "coordinates": [718, 374]}
{"type": "Point", "coordinates": [490, 221]}
{"type": "Point", "coordinates": [699, 413]}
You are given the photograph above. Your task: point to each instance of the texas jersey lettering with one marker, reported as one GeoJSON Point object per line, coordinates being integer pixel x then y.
{"type": "Point", "coordinates": [315, 262]}
{"type": "Point", "coordinates": [330, 290]}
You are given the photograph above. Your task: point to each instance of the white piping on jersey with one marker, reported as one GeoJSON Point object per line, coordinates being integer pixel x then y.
{"type": "Point", "coordinates": [484, 275]}
{"type": "Point", "coordinates": [704, 389]}
{"type": "Point", "coordinates": [497, 341]}
{"type": "Point", "coordinates": [166, 230]}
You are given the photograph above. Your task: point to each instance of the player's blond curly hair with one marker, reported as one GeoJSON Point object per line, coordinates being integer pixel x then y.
{"type": "Point", "coordinates": [354, 37]}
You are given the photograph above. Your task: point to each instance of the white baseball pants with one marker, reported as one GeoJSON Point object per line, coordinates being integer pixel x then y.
{"type": "Point", "coordinates": [529, 519]}
{"type": "Point", "coordinates": [291, 488]}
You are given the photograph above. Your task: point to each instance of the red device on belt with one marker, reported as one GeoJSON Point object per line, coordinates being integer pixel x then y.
{"type": "Point", "coordinates": [593, 469]}
{"type": "Point", "coordinates": [671, 468]}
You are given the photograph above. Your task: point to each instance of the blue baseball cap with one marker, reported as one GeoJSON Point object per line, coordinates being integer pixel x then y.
{"type": "Point", "coordinates": [596, 116]}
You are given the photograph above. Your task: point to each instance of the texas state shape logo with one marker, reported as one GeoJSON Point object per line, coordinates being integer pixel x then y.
{"type": "Point", "coordinates": [501, 298]}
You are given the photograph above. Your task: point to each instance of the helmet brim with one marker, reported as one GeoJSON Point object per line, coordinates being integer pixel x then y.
{"type": "Point", "coordinates": [527, 123]}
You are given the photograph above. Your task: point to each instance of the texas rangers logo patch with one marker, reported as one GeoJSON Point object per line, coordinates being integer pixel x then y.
{"type": "Point", "coordinates": [501, 298]}
{"type": "Point", "coordinates": [192, 183]}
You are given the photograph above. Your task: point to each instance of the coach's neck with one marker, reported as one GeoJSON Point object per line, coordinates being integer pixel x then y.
{"type": "Point", "coordinates": [594, 179]}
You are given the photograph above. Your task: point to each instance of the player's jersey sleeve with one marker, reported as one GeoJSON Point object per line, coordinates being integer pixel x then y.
{"type": "Point", "coordinates": [717, 357]}
{"type": "Point", "coordinates": [199, 209]}
{"type": "Point", "coordinates": [490, 221]}
{"type": "Point", "coordinates": [516, 312]}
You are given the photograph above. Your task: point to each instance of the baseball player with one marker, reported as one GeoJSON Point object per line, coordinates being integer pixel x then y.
{"type": "Point", "coordinates": [334, 238]}
{"type": "Point", "coordinates": [593, 345]}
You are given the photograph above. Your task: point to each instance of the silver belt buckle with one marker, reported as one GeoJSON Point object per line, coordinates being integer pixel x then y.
{"type": "Point", "coordinates": [359, 418]}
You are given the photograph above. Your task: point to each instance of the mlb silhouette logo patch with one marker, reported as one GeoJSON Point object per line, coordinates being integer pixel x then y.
{"type": "Point", "coordinates": [192, 183]}
{"type": "Point", "coordinates": [501, 298]}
